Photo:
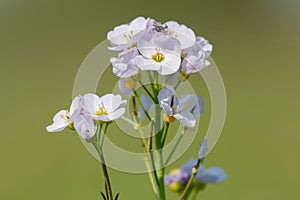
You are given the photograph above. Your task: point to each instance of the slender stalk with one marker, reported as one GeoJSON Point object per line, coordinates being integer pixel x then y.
{"type": "Point", "coordinates": [151, 82]}
{"type": "Point", "coordinates": [177, 85]}
{"type": "Point", "coordinates": [194, 173]}
{"type": "Point", "coordinates": [195, 195]}
{"type": "Point", "coordinates": [165, 133]}
{"type": "Point", "coordinates": [175, 146]}
{"type": "Point", "coordinates": [146, 148]}
{"type": "Point", "coordinates": [142, 106]}
{"type": "Point", "coordinates": [102, 160]}
{"type": "Point", "coordinates": [147, 91]}
{"type": "Point", "coordinates": [160, 167]}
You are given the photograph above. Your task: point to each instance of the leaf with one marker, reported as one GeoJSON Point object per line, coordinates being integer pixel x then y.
{"type": "Point", "coordinates": [117, 196]}
{"type": "Point", "coordinates": [103, 196]}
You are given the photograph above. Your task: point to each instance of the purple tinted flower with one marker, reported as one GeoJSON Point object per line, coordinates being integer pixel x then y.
{"type": "Point", "coordinates": [84, 124]}
{"type": "Point", "coordinates": [124, 36]}
{"type": "Point", "coordinates": [182, 33]}
{"type": "Point", "coordinates": [177, 175]}
{"type": "Point", "coordinates": [186, 109]}
{"type": "Point", "coordinates": [195, 56]}
{"type": "Point", "coordinates": [210, 175]}
{"type": "Point", "coordinates": [64, 118]}
{"type": "Point", "coordinates": [106, 108]}
{"type": "Point", "coordinates": [124, 65]}
{"type": "Point", "coordinates": [160, 53]}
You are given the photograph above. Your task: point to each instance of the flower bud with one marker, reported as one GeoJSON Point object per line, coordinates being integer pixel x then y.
{"type": "Point", "coordinates": [182, 76]}
{"type": "Point", "coordinates": [71, 126]}
{"type": "Point", "coordinates": [130, 83]}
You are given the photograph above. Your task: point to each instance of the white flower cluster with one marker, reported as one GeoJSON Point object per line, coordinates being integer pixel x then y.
{"type": "Point", "coordinates": [149, 45]}
{"type": "Point", "coordinates": [85, 111]}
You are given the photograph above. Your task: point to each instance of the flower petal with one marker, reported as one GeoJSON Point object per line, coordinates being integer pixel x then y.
{"type": "Point", "coordinates": [166, 97]}
{"type": "Point", "coordinates": [211, 175]}
{"type": "Point", "coordinates": [59, 122]}
{"type": "Point", "coordinates": [186, 118]}
{"type": "Point", "coordinates": [170, 64]}
{"type": "Point", "coordinates": [146, 64]}
{"type": "Point", "coordinates": [84, 124]}
{"type": "Point", "coordinates": [184, 34]}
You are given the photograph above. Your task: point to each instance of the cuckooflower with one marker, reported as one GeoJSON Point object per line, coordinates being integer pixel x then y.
{"type": "Point", "coordinates": [160, 53]}
{"type": "Point", "coordinates": [126, 35]}
{"type": "Point", "coordinates": [209, 175]}
{"type": "Point", "coordinates": [84, 124]}
{"type": "Point", "coordinates": [124, 65]}
{"type": "Point", "coordinates": [106, 108]}
{"type": "Point", "coordinates": [186, 109]}
{"type": "Point", "coordinates": [195, 56]}
{"type": "Point", "coordinates": [182, 33]}
{"type": "Point", "coordinates": [64, 118]}
{"type": "Point", "coordinates": [176, 180]}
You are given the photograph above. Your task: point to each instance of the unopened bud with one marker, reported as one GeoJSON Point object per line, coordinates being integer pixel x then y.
{"type": "Point", "coordinates": [130, 83]}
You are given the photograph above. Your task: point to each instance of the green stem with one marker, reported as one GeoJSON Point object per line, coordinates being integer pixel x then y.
{"type": "Point", "coordinates": [103, 165]}
{"type": "Point", "coordinates": [142, 106]}
{"type": "Point", "coordinates": [146, 149]}
{"type": "Point", "coordinates": [191, 180]}
{"type": "Point", "coordinates": [147, 91]}
{"type": "Point", "coordinates": [177, 85]}
{"type": "Point", "coordinates": [175, 146]}
{"type": "Point", "coordinates": [166, 128]}
{"type": "Point", "coordinates": [160, 167]}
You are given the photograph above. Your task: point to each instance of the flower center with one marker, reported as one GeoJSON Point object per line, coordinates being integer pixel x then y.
{"type": "Point", "coordinates": [101, 110]}
{"type": "Point", "coordinates": [158, 56]}
{"type": "Point", "coordinates": [66, 116]}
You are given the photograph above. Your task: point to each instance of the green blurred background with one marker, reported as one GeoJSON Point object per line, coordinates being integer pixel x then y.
{"type": "Point", "coordinates": [256, 47]}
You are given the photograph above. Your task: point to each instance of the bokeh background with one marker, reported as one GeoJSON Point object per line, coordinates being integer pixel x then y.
{"type": "Point", "coordinates": [256, 47]}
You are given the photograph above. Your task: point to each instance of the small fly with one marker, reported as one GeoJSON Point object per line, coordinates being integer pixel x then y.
{"type": "Point", "coordinates": [158, 27]}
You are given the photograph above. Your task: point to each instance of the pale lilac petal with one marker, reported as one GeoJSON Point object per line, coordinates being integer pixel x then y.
{"type": "Point", "coordinates": [84, 124]}
{"type": "Point", "coordinates": [112, 116]}
{"type": "Point", "coordinates": [186, 118]}
{"type": "Point", "coordinates": [203, 149]}
{"type": "Point", "coordinates": [184, 34]}
{"type": "Point", "coordinates": [197, 107]}
{"type": "Point", "coordinates": [146, 64]}
{"type": "Point", "coordinates": [59, 122]}
{"type": "Point", "coordinates": [111, 102]}
{"type": "Point", "coordinates": [165, 98]}
{"type": "Point", "coordinates": [211, 175]}
{"type": "Point", "coordinates": [124, 65]}
{"type": "Point", "coordinates": [138, 24]}
{"type": "Point", "coordinates": [76, 103]}
{"type": "Point", "coordinates": [116, 37]}
{"type": "Point", "coordinates": [90, 103]}
{"type": "Point", "coordinates": [204, 45]}
{"type": "Point", "coordinates": [170, 64]}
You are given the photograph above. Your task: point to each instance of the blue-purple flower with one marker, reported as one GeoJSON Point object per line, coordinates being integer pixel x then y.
{"type": "Point", "coordinates": [124, 65]}
{"type": "Point", "coordinates": [186, 109]}
{"type": "Point", "coordinates": [195, 59]}
{"type": "Point", "coordinates": [159, 53]}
